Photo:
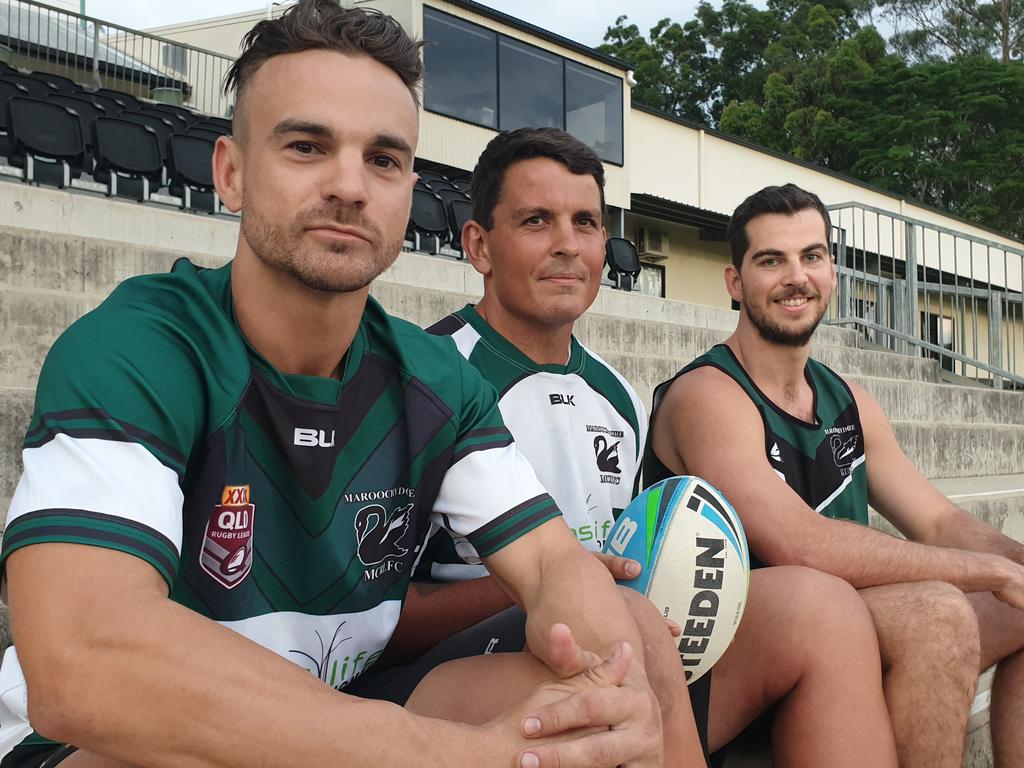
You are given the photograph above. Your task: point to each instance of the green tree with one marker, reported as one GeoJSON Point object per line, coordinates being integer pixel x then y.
{"type": "Point", "coordinates": [927, 30]}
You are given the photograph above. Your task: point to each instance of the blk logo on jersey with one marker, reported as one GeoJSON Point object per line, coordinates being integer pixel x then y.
{"type": "Point", "coordinates": [228, 542]}
{"type": "Point", "coordinates": [380, 538]}
{"type": "Point", "coordinates": [313, 438]}
{"type": "Point", "coordinates": [557, 399]}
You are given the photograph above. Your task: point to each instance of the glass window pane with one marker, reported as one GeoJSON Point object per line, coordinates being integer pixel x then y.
{"type": "Point", "coordinates": [531, 87]}
{"type": "Point", "coordinates": [461, 78]}
{"type": "Point", "coordinates": [593, 110]}
{"type": "Point", "coordinates": [651, 281]}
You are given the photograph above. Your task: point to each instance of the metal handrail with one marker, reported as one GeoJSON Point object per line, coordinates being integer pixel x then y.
{"type": "Point", "coordinates": [926, 345]}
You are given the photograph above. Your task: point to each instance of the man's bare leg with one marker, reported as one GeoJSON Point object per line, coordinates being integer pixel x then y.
{"type": "Point", "coordinates": [512, 677]}
{"type": "Point", "coordinates": [929, 641]}
{"type": "Point", "coordinates": [807, 640]}
{"type": "Point", "coordinates": [1002, 641]}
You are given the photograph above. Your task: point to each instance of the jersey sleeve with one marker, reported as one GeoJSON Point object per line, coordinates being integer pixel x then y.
{"type": "Point", "coordinates": [490, 495]}
{"type": "Point", "coordinates": [117, 411]}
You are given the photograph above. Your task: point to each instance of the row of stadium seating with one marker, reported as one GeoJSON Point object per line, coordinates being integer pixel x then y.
{"type": "Point", "coordinates": [58, 132]}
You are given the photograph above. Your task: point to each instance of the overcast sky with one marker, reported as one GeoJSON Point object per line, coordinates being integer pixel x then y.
{"type": "Point", "coordinates": [584, 21]}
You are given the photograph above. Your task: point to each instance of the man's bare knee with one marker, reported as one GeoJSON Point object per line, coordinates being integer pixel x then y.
{"type": "Point", "coordinates": [925, 622]}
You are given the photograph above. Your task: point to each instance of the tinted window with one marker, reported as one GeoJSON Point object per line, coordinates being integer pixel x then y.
{"type": "Point", "coordinates": [593, 110]}
{"type": "Point", "coordinates": [461, 69]}
{"type": "Point", "coordinates": [531, 93]}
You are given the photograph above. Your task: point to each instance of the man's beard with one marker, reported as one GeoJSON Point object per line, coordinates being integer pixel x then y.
{"type": "Point", "coordinates": [338, 267]}
{"type": "Point", "coordinates": [777, 334]}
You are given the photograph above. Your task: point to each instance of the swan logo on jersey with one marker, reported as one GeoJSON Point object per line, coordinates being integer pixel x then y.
{"type": "Point", "coordinates": [844, 451]}
{"type": "Point", "coordinates": [380, 538]}
{"type": "Point", "coordinates": [228, 542]}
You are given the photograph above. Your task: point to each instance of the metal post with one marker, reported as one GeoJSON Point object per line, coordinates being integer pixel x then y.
{"type": "Point", "coordinates": [995, 335]}
{"type": "Point", "coordinates": [911, 326]}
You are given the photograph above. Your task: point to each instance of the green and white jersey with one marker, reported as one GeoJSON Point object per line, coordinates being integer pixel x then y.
{"type": "Point", "coordinates": [823, 462]}
{"type": "Point", "coordinates": [581, 425]}
{"type": "Point", "coordinates": [289, 508]}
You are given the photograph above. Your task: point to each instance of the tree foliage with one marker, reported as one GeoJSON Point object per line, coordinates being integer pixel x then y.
{"type": "Point", "coordinates": [808, 80]}
{"type": "Point", "coordinates": [927, 30]}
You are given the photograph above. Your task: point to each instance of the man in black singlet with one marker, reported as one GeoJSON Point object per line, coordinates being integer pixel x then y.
{"type": "Point", "coordinates": [801, 452]}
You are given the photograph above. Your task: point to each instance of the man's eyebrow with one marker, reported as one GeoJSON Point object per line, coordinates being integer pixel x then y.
{"type": "Point", "coordinates": [308, 127]}
{"type": "Point", "coordinates": [814, 247]}
{"type": "Point", "coordinates": [766, 252]}
{"type": "Point", "coordinates": [533, 210]}
{"type": "Point", "coordinates": [390, 141]}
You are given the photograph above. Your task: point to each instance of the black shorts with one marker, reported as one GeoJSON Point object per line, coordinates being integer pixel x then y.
{"type": "Point", "coordinates": [36, 755]}
{"type": "Point", "coordinates": [503, 633]}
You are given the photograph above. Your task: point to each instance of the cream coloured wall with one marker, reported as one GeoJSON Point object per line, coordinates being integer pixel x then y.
{"type": "Point", "coordinates": [694, 268]}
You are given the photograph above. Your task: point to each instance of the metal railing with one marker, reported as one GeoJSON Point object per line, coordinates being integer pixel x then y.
{"type": "Point", "coordinates": [920, 288]}
{"type": "Point", "coordinates": [98, 54]}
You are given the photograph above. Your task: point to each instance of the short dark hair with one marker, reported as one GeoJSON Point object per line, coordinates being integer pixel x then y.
{"type": "Point", "coordinates": [506, 149]}
{"type": "Point", "coordinates": [787, 199]}
{"type": "Point", "coordinates": [325, 25]}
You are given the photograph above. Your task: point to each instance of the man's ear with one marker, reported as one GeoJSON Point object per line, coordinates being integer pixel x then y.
{"type": "Point", "coordinates": [733, 283]}
{"type": "Point", "coordinates": [474, 245]}
{"type": "Point", "coordinates": [227, 172]}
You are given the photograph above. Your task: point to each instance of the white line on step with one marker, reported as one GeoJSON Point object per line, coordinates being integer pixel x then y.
{"type": "Point", "coordinates": [986, 493]}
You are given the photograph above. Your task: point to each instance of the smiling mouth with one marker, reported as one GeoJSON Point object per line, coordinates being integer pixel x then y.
{"type": "Point", "coordinates": [795, 301]}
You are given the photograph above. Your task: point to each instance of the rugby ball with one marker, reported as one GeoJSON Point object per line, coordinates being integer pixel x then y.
{"type": "Point", "coordinates": [696, 566]}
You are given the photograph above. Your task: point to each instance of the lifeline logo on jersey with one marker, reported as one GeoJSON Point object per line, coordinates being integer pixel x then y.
{"type": "Point", "coordinates": [228, 542]}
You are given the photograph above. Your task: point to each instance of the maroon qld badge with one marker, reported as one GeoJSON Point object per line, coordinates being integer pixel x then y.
{"type": "Point", "coordinates": [227, 545]}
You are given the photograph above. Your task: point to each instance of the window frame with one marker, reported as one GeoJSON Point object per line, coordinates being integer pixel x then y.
{"type": "Point", "coordinates": [497, 84]}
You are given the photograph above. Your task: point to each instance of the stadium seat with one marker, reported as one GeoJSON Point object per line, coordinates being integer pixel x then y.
{"type": "Point", "coordinates": [45, 141]}
{"type": "Point", "coordinates": [217, 124]}
{"type": "Point", "coordinates": [162, 126]}
{"type": "Point", "coordinates": [203, 133]}
{"type": "Point", "coordinates": [7, 90]}
{"type": "Point", "coordinates": [623, 262]}
{"type": "Point", "coordinates": [7, 68]}
{"type": "Point", "coordinates": [35, 87]}
{"type": "Point", "coordinates": [111, 106]}
{"type": "Point", "coordinates": [187, 115]}
{"type": "Point", "coordinates": [128, 158]}
{"type": "Point", "coordinates": [179, 123]}
{"type": "Point", "coordinates": [427, 219]}
{"type": "Point", "coordinates": [125, 101]}
{"type": "Point", "coordinates": [459, 212]}
{"type": "Point", "coordinates": [58, 82]}
{"type": "Point", "coordinates": [428, 176]}
{"type": "Point", "coordinates": [87, 112]}
{"type": "Point", "coordinates": [190, 172]}
{"type": "Point", "coordinates": [462, 185]}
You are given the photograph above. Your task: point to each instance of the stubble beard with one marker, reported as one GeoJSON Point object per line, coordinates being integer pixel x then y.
{"type": "Point", "coordinates": [336, 268]}
{"type": "Point", "coordinates": [777, 334]}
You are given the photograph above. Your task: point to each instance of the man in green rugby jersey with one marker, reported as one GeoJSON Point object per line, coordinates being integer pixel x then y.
{"type": "Point", "coordinates": [229, 474]}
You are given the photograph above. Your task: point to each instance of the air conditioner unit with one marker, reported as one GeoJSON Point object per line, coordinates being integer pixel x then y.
{"type": "Point", "coordinates": [652, 244]}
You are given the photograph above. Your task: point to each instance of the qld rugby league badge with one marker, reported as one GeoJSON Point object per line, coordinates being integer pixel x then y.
{"type": "Point", "coordinates": [227, 544]}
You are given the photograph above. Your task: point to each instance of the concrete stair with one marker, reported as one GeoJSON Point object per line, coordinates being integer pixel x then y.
{"type": "Point", "coordinates": [53, 269]}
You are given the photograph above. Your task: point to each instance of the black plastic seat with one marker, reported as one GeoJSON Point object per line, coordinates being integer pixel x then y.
{"type": "Point", "coordinates": [59, 83]}
{"type": "Point", "coordinates": [87, 112]}
{"type": "Point", "coordinates": [124, 100]}
{"type": "Point", "coordinates": [427, 219]}
{"type": "Point", "coordinates": [111, 106]}
{"type": "Point", "coordinates": [128, 158]}
{"type": "Point", "coordinates": [34, 86]}
{"type": "Point", "coordinates": [190, 172]}
{"type": "Point", "coordinates": [162, 126]}
{"type": "Point", "coordinates": [218, 124]}
{"type": "Point", "coordinates": [7, 91]}
{"type": "Point", "coordinates": [187, 115]}
{"type": "Point", "coordinates": [45, 141]}
{"type": "Point", "coordinates": [623, 262]}
{"type": "Point", "coordinates": [179, 123]}
{"type": "Point", "coordinates": [459, 212]}
{"type": "Point", "coordinates": [7, 68]}
{"type": "Point", "coordinates": [203, 133]}
{"type": "Point", "coordinates": [429, 176]}
{"type": "Point", "coordinates": [462, 185]}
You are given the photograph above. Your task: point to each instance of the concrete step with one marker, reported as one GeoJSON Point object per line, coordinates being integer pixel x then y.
{"type": "Point", "coordinates": [31, 318]}
{"type": "Point", "coordinates": [927, 401]}
{"type": "Point", "coordinates": [37, 260]}
{"type": "Point", "coordinates": [15, 413]}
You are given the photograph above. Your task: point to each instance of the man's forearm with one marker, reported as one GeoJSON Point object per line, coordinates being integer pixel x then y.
{"type": "Point", "coordinates": [435, 611]}
{"type": "Point", "coordinates": [176, 689]}
{"type": "Point", "coordinates": [866, 558]}
{"type": "Point", "coordinates": [965, 531]}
